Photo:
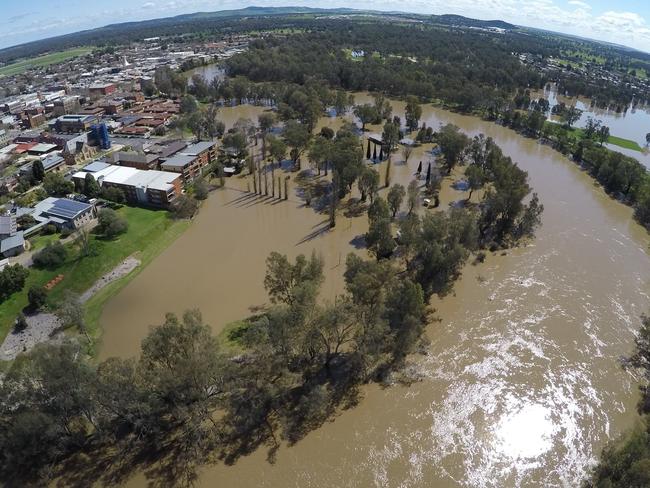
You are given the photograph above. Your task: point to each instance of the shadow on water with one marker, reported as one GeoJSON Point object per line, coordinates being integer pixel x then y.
{"type": "Point", "coordinates": [175, 454]}
{"type": "Point", "coordinates": [359, 242]}
{"type": "Point", "coordinates": [319, 229]}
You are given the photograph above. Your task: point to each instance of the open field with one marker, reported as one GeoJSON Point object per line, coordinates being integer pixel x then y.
{"type": "Point", "coordinates": [150, 231]}
{"type": "Point", "coordinates": [45, 60]}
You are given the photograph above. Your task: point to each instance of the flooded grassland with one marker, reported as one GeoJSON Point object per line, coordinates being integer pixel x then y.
{"type": "Point", "coordinates": [521, 385]}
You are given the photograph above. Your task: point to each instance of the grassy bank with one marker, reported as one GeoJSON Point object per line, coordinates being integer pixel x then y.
{"type": "Point", "coordinates": [149, 232]}
{"type": "Point", "coordinates": [625, 143]}
{"type": "Point", "coordinates": [578, 134]}
{"type": "Point", "coordinates": [45, 60]}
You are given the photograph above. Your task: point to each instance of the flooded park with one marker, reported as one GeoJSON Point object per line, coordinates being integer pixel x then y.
{"type": "Point", "coordinates": [521, 384]}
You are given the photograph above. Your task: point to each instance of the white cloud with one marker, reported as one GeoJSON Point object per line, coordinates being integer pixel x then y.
{"type": "Point", "coordinates": [580, 4]}
{"type": "Point", "coordinates": [148, 5]}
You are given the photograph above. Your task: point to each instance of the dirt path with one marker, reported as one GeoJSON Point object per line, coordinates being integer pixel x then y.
{"type": "Point", "coordinates": [122, 269]}
{"type": "Point", "coordinates": [42, 327]}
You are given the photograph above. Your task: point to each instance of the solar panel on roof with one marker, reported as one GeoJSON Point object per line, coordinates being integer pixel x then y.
{"type": "Point", "coordinates": [67, 209]}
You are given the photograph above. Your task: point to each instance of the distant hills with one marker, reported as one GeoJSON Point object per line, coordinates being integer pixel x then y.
{"type": "Point", "coordinates": [129, 31]}
{"type": "Point", "coordinates": [467, 22]}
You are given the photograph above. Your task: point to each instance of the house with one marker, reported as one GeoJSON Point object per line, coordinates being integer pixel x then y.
{"type": "Point", "coordinates": [70, 143]}
{"type": "Point", "coordinates": [12, 245]}
{"type": "Point", "coordinates": [12, 242]}
{"type": "Point", "coordinates": [63, 213]}
{"type": "Point", "coordinates": [50, 163]}
{"type": "Point", "coordinates": [41, 149]}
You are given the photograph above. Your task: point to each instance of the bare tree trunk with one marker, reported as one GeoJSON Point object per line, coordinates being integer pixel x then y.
{"type": "Point", "coordinates": [334, 200]}
{"type": "Point", "coordinates": [279, 189]}
{"type": "Point", "coordinates": [266, 182]}
{"type": "Point", "coordinates": [255, 181]}
{"type": "Point", "coordinates": [286, 188]}
{"type": "Point", "coordinates": [388, 172]}
{"type": "Point", "coordinates": [263, 145]}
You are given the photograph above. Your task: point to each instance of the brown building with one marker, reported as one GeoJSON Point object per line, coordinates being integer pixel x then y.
{"type": "Point", "coordinates": [112, 107]}
{"type": "Point", "coordinates": [204, 151]}
{"type": "Point", "coordinates": [66, 105]}
{"type": "Point", "coordinates": [134, 160]}
{"type": "Point", "coordinates": [189, 167]}
{"type": "Point", "coordinates": [101, 90]}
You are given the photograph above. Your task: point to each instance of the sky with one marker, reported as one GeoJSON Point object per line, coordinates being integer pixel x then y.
{"type": "Point", "coordinates": [624, 22]}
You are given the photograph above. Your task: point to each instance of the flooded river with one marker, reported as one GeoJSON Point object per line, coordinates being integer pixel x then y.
{"type": "Point", "coordinates": [521, 385]}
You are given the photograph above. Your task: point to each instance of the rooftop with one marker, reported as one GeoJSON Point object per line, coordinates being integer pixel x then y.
{"type": "Point", "coordinates": [42, 148]}
{"type": "Point", "coordinates": [76, 118]}
{"type": "Point", "coordinates": [124, 175]}
{"type": "Point", "coordinates": [178, 161]}
{"type": "Point", "coordinates": [95, 166]}
{"type": "Point", "coordinates": [171, 149]}
{"type": "Point", "coordinates": [67, 209]}
{"type": "Point", "coordinates": [198, 147]}
{"type": "Point", "coordinates": [12, 242]}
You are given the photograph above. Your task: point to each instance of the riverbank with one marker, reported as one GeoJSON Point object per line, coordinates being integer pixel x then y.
{"type": "Point", "coordinates": [47, 327]}
{"type": "Point", "coordinates": [148, 234]}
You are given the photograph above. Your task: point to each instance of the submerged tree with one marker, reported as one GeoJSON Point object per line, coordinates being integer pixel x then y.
{"type": "Point", "coordinates": [395, 198]}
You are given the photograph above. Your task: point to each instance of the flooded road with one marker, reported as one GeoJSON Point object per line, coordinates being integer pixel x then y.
{"type": "Point", "coordinates": [521, 386]}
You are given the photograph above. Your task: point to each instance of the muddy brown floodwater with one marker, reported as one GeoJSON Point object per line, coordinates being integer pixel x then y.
{"type": "Point", "coordinates": [521, 385]}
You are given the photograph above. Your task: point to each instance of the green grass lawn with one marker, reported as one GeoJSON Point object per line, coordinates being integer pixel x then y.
{"type": "Point", "coordinates": [625, 143]}
{"type": "Point", "coordinates": [42, 240]}
{"type": "Point", "coordinates": [45, 60]}
{"type": "Point", "coordinates": [149, 233]}
{"type": "Point", "coordinates": [614, 140]}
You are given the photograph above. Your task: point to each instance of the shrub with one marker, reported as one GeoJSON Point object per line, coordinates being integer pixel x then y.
{"type": "Point", "coordinates": [37, 297]}
{"type": "Point", "coordinates": [111, 224]}
{"type": "Point", "coordinates": [12, 279]}
{"type": "Point", "coordinates": [113, 194]}
{"type": "Point", "coordinates": [21, 323]}
{"type": "Point", "coordinates": [51, 256]}
{"type": "Point", "coordinates": [201, 189]}
{"type": "Point", "coordinates": [184, 207]}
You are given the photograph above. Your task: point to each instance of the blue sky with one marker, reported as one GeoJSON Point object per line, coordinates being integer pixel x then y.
{"type": "Point", "coordinates": [622, 21]}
